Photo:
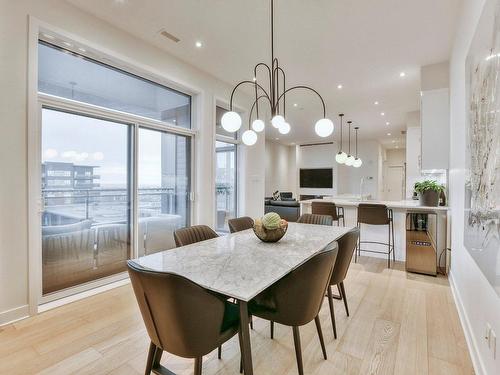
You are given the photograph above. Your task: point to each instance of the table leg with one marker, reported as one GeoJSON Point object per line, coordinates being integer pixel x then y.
{"type": "Point", "coordinates": [245, 338]}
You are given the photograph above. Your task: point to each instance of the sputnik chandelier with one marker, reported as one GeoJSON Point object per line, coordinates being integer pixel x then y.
{"type": "Point", "coordinates": [275, 95]}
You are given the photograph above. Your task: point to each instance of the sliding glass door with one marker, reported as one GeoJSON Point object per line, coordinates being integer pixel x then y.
{"type": "Point", "coordinates": [86, 198]}
{"type": "Point", "coordinates": [164, 203]}
{"type": "Point", "coordinates": [115, 167]}
{"type": "Point", "coordinates": [225, 183]}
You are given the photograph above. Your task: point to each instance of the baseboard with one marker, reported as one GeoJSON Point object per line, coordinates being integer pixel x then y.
{"type": "Point", "coordinates": [477, 362]}
{"type": "Point", "coordinates": [13, 315]}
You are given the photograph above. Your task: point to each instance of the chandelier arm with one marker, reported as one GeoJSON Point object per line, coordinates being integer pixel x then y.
{"type": "Point", "coordinates": [252, 83]}
{"type": "Point", "coordinates": [254, 105]}
{"type": "Point", "coordinates": [255, 77]}
{"type": "Point", "coordinates": [278, 69]}
{"type": "Point", "coordinates": [307, 88]}
{"type": "Point", "coordinates": [341, 117]}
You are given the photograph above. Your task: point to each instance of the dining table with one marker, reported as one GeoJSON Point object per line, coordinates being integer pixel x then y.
{"type": "Point", "coordinates": [240, 265]}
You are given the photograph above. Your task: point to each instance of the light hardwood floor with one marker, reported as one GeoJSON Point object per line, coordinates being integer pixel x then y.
{"type": "Point", "coordinates": [400, 324]}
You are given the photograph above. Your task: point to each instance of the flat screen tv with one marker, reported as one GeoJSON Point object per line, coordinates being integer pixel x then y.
{"type": "Point", "coordinates": [316, 178]}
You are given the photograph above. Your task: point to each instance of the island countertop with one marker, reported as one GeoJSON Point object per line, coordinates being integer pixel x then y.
{"type": "Point", "coordinates": [403, 204]}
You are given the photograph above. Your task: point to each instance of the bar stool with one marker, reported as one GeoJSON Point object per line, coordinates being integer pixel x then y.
{"type": "Point", "coordinates": [329, 208]}
{"type": "Point", "coordinates": [376, 214]}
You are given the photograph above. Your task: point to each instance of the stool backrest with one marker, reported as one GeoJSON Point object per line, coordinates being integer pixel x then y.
{"type": "Point", "coordinates": [325, 208]}
{"type": "Point", "coordinates": [315, 219]}
{"type": "Point", "coordinates": [374, 214]}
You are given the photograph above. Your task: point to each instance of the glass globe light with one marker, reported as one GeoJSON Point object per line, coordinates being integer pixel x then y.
{"type": "Point", "coordinates": [249, 137]}
{"type": "Point", "coordinates": [357, 163]}
{"type": "Point", "coordinates": [258, 125]}
{"type": "Point", "coordinates": [324, 127]}
{"type": "Point", "coordinates": [341, 157]}
{"type": "Point", "coordinates": [284, 128]}
{"type": "Point", "coordinates": [277, 121]}
{"type": "Point", "coordinates": [349, 161]}
{"type": "Point", "coordinates": [231, 121]}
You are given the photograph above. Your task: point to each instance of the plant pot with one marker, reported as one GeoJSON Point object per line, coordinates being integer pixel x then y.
{"type": "Point", "coordinates": [429, 198]}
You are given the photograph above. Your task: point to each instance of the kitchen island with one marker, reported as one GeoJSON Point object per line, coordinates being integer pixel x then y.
{"type": "Point", "coordinates": [400, 209]}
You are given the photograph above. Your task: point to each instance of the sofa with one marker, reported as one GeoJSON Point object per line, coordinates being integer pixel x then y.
{"type": "Point", "coordinates": [287, 207]}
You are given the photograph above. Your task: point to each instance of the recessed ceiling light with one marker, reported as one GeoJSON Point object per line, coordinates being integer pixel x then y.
{"type": "Point", "coordinates": [198, 44]}
{"type": "Point", "coordinates": [339, 87]}
{"type": "Point", "coordinates": [295, 104]}
{"type": "Point", "coordinates": [402, 74]}
{"type": "Point", "coordinates": [393, 141]}
{"type": "Point", "coordinates": [382, 114]}
{"type": "Point", "coordinates": [376, 103]}
{"type": "Point", "coordinates": [389, 134]}
{"type": "Point", "coordinates": [388, 123]}
{"type": "Point", "coordinates": [397, 146]}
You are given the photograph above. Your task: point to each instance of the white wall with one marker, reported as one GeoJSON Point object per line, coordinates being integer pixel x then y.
{"type": "Point", "coordinates": [13, 142]}
{"type": "Point", "coordinates": [477, 301]}
{"type": "Point", "coordinates": [281, 168]}
{"type": "Point", "coordinates": [349, 178]}
{"type": "Point", "coordinates": [413, 150]}
{"type": "Point", "coordinates": [318, 156]}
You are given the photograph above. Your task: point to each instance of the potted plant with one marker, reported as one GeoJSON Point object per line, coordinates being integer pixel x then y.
{"type": "Point", "coordinates": [429, 192]}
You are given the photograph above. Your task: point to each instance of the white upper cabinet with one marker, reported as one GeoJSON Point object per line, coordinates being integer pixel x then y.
{"type": "Point", "coordinates": [434, 121]}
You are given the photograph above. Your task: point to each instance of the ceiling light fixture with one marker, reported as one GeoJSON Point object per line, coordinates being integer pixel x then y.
{"type": "Point", "coordinates": [389, 134]}
{"type": "Point", "coordinates": [402, 74]}
{"type": "Point", "coordinates": [275, 93]}
{"type": "Point", "coordinates": [388, 123]}
{"type": "Point", "coordinates": [295, 104]}
{"type": "Point", "coordinates": [350, 159]}
{"type": "Point", "coordinates": [339, 87]}
{"type": "Point", "coordinates": [198, 44]}
{"type": "Point", "coordinates": [341, 156]}
{"type": "Point", "coordinates": [357, 161]}
{"type": "Point", "coordinates": [376, 103]}
{"type": "Point", "coordinates": [382, 113]}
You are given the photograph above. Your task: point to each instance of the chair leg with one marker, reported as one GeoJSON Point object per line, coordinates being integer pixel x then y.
{"type": "Point", "coordinates": [151, 358]}
{"type": "Point", "coordinates": [332, 310]}
{"type": "Point", "coordinates": [240, 340]}
{"type": "Point", "coordinates": [320, 335]}
{"type": "Point", "coordinates": [272, 329]}
{"type": "Point", "coordinates": [298, 349]}
{"type": "Point", "coordinates": [344, 297]}
{"type": "Point", "coordinates": [197, 365]}
{"type": "Point", "coordinates": [219, 352]}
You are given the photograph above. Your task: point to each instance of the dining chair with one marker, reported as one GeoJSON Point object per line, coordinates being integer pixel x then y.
{"type": "Point", "coordinates": [240, 223]}
{"type": "Point", "coordinates": [346, 245]}
{"type": "Point", "coordinates": [181, 317]}
{"type": "Point", "coordinates": [329, 208]}
{"type": "Point", "coordinates": [376, 214]}
{"type": "Point", "coordinates": [296, 299]}
{"type": "Point", "coordinates": [315, 219]}
{"type": "Point", "coordinates": [193, 234]}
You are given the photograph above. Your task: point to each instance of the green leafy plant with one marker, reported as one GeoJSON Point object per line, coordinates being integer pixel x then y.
{"type": "Point", "coordinates": [426, 185]}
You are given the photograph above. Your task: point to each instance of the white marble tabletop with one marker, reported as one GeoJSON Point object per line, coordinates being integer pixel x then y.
{"type": "Point", "coordinates": [240, 265]}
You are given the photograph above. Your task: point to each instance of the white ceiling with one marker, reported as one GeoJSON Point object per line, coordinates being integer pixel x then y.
{"type": "Point", "coordinates": [362, 44]}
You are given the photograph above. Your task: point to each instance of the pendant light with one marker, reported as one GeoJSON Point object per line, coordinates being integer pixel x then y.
{"type": "Point", "coordinates": [275, 95]}
{"type": "Point", "coordinates": [357, 161]}
{"type": "Point", "coordinates": [341, 156]}
{"type": "Point", "coordinates": [350, 159]}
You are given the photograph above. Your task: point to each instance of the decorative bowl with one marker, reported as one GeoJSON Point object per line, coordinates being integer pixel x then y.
{"type": "Point", "coordinates": [269, 235]}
